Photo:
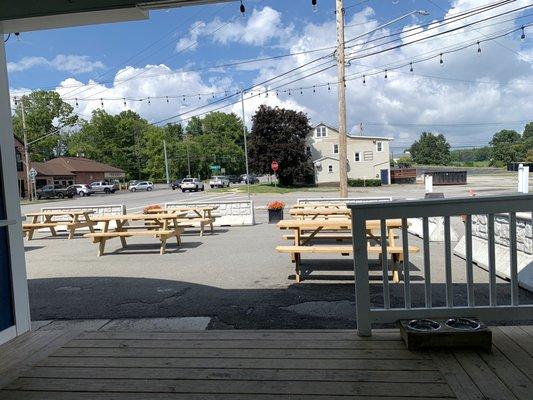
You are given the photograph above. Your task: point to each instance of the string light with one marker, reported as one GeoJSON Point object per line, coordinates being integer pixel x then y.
{"type": "Point", "coordinates": [184, 98]}
{"type": "Point", "coordinates": [411, 66]}
{"type": "Point", "coordinates": [523, 36]}
{"type": "Point", "coordinates": [329, 88]}
{"type": "Point", "coordinates": [149, 101]}
{"type": "Point", "coordinates": [242, 9]}
{"type": "Point", "coordinates": [386, 74]}
{"type": "Point", "coordinates": [364, 80]}
{"type": "Point", "coordinates": [314, 5]}
{"type": "Point", "coordinates": [167, 98]}
{"type": "Point", "coordinates": [15, 100]}
{"type": "Point", "coordinates": [301, 91]}
{"type": "Point", "coordinates": [314, 89]}
{"type": "Point", "coordinates": [441, 60]}
{"type": "Point", "coordinates": [478, 47]}
{"type": "Point", "coordinates": [77, 103]}
{"type": "Point", "coordinates": [102, 102]}
{"type": "Point", "coordinates": [124, 100]}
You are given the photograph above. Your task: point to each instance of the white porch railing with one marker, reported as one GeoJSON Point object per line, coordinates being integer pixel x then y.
{"type": "Point", "coordinates": [367, 314]}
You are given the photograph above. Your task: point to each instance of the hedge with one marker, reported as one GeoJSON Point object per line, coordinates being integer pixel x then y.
{"type": "Point", "coordinates": [364, 182]}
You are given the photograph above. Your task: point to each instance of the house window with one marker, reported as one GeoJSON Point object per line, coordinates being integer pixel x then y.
{"type": "Point", "coordinates": [379, 146]}
{"type": "Point", "coordinates": [368, 156]}
{"type": "Point", "coordinates": [308, 150]}
{"type": "Point", "coordinates": [357, 156]}
{"type": "Point", "coordinates": [335, 149]}
{"type": "Point", "coordinates": [330, 169]}
{"type": "Point", "coordinates": [20, 165]}
{"type": "Point", "coordinates": [321, 131]}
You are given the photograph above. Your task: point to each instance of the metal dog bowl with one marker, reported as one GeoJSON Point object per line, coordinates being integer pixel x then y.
{"type": "Point", "coordinates": [463, 324]}
{"type": "Point", "coordinates": [423, 325]}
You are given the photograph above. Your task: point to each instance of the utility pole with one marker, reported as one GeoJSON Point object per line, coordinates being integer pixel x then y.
{"type": "Point", "coordinates": [166, 161]}
{"type": "Point", "coordinates": [188, 158]}
{"type": "Point", "coordinates": [245, 146]}
{"type": "Point", "coordinates": [29, 186]}
{"type": "Point", "coordinates": [341, 67]}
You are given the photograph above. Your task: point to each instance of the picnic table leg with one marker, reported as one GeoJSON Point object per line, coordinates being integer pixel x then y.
{"type": "Point", "coordinates": [120, 228]}
{"type": "Point", "coordinates": [210, 220]}
{"type": "Point", "coordinates": [101, 246]}
{"type": "Point", "coordinates": [72, 227]}
{"type": "Point", "coordinates": [88, 220]}
{"type": "Point", "coordinates": [396, 258]}
{"type": "Point", "coordinates": [48, 219]}
{"type": "Point", "coordinates": [30, 233]}
{"type": "Point", "coordinates": [297, 256]}
{"type": "Point", "coordinates": [163, 245]}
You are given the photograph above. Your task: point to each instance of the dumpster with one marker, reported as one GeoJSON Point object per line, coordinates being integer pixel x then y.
{"type": "Point", "coordinates": [449, 177]}
{"type": "Point", "coordinates": [403, 175]}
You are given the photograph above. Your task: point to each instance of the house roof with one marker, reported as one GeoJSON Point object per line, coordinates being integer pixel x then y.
{"type": "Point", "coordinates": [363, 137]}
{"type": "Point", "coordinates": [81, 164]}
{"type": "Point", "coordinates": [44, 169]}
{"type": "Point", "coordinates": [18, 143]}
{"type": "Point", "coordinates": [325, 158]}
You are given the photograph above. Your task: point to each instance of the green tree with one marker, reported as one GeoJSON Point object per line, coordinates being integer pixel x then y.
{"type": "Point", "coordinates": [222, 125]}
{"type": "Point", "coordinates": [279, 134]}
{"type": "Point", "coordinates": [528, 131]}
{"type": "Point", "coordinates": [506, 147]}
{"type": "Point", "coordinates": [45, 113]}
{"type": "Point", "coordinates": [194, 127]}
{"type": "Point", "coordinates": [431, 149]}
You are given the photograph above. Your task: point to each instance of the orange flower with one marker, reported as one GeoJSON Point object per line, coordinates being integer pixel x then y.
{"type": "Point", "coordinates": [276, 205]}
{"type": "Point", "coordinates": [151, 207]}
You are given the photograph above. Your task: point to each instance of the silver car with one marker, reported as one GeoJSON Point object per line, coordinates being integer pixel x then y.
{"type": "Point", "coordinates": [219, 181]}
{"type": "Point", "coordinates": [142, 185]}
{"type": "Point", "coordinates": [83, 190]}
{"type": "Point", "coordinates": [192, 184]}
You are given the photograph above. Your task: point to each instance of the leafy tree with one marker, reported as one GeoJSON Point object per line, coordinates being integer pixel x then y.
{"type": "Point", "coordinates": [45, 113]}
{"type": "Point", "coordinates": [506, 147]}
{"type": "Point", "coordinates": [227, 126]}
{"type": "Point", "coordinates": [279, 134]}
{"type": "Point", "coordinates": [431, 149]}
{"type": "Point", "coordinates": [528, 131]}
{"type": "Point", "coordinates": [194, 127]}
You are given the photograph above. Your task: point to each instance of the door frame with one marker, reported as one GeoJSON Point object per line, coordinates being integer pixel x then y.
{"type": "Point", "coordinates": [19, 284]}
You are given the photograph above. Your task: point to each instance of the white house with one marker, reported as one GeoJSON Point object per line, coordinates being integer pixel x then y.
{"type": "Point", "coordinates": [368, 156]}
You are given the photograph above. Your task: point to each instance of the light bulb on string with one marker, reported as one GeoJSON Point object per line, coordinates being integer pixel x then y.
{"type": "Point", "coordinates": [15, 100]}
{"type": "Point", "coordinates": [364, 80]}
{"type": "Point", "coordinates": [149, 101]}
{"type": "Point", "coordinates": [213, 95]}
{"type": "Point", "coordinates": [411, 66]}
{"type": "Point", "coordinates": [301, 91]}
{"type": "Point", "coordinates": [199, 97]}
{"type": "Point", "coordinates": [314, 89]}
{"type": "Point", "coordinates": [76, 100]}
{"type": "Point", "coordinates": [478, 48]}
{"type": "Point", "coordinates": [167, 99]}
{"type": "Point", "coordinates": [329, 87]}
{"type": "Point", "coordinates": [124, 100]}
{"type": "Point", "coordinates": [386, 75]}
{"type": "Point", "coordinates": [441, 60]}
{"type": "Point", "coordinates": [314, 5]}
{"type": "Point", "coordinates": [242, 9]}
{"type": "Point", "coordinates": [102, 102]}
{"type": "Point", "coordinates": [184, 98]}
{"type": "Point", "coordinates": [523, 36]}
{"type": "Point", "coordinates": [289, 92]}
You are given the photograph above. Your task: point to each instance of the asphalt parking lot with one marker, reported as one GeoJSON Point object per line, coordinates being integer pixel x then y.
{"type": "Point", "coordinates": [234, 277]}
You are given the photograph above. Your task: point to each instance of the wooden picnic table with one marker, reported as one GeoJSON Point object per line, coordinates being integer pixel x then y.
{"type": "Point", "coordinates": [77, 219]}
{"type": "Point", "coordinates": [302, 241]}
{"type": "Point", "coordinates": [320, 212]}
{"type": "Point", "coordinates": [160, 226]}
{"type": "Point", "coordinates": [203, 215]}
{"type": "Point", "coordinates": [319, 205]}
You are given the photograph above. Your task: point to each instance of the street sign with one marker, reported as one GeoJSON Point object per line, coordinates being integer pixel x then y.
{"type": "Point", "coordinates": [33, 174]}
{"type": "Point", "coordinates": [274, 165]}
{"type": "Point", "coordinates": [214, 167]}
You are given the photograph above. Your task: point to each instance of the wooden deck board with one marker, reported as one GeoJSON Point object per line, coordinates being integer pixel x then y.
{"type": "Point", "coordinates": [262, 365]}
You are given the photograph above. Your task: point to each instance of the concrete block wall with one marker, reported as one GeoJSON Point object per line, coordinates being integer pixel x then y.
{"type": "Point", "coordinates": [228, 213]}
{"type": "Point", "coordinates": [524, 237]}
{"type": "Point", "coordinates": [114, 209]}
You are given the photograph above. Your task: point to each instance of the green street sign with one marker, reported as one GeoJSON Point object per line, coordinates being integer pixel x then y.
{"type": "Point", "coordinates": [215, 167]}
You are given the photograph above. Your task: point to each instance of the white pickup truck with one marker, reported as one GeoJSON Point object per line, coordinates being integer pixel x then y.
{"type": "Point", "coordinates": [103, 187]}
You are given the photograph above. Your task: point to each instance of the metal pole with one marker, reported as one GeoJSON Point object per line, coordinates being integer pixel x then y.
{"type": "Point", "coordinates": [29, 185]}
{"type": "Point", "coordinates": [166, 160]}
{"type": "Point", "coordinates": [245, 146]}
{"type": "Point", "coordinates": [343, 179]}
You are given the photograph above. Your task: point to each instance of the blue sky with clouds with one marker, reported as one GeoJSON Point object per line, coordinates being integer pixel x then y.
{"type": "Point", "coordinates": [167, 56]}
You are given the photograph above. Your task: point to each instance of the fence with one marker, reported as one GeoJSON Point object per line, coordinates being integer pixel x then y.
{"type": "Point", "coordinates": [367, 314]}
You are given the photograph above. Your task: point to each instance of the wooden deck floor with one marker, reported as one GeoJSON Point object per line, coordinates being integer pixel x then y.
{"type": "Point", "coordinates": [259, 365]}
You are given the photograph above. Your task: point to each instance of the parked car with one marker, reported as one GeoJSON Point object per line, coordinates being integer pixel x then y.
{"type": "Point", "coordinates": [142, 185]}
{"type": "Point", "coordinates": [219, 181]}
{"type": "Point", "coordinates": [83, 190]}
{"type": "Point", "coordinates": [176, 184]}
{"type": "Point", "coordinates": [131, 183]}
{"type": "Point", "coordinates": [249, 178]}
{"type": "Point", "coordinates": [56, 191]}
{"type": "Point", "coordinates": [103, 187]}
{"type": "Point", "coordinates": [234, 179]}
{"type": "Point", "coordinates": [192, 184]}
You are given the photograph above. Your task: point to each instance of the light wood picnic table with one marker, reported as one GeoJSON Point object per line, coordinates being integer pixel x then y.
{"type": "Point", "coordinates": [319, 205]}
{"type": "Point", "coordinates": [203, 215]}
{"type": "Point", "coordinates": [161, 226]}
{"type": "Point", "coordinates": [74, 222]}
{"type": "Point", "coordinates": [315, 226]}
{"type": "Point", "coordinates": [322, 212]}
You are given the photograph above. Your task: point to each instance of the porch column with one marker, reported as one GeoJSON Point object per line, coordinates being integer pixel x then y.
{"type": "Point", "coordinates": [13, 264]}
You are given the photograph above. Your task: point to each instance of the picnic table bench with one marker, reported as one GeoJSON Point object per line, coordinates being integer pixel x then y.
{"type": "Point", "coordinates": [164, 227]}
{"type": "Point", "coordinates": [200, 215]}
{"type": "Point", "coordinates": [74, 220]}
{"type": "Point", "coordinates": [341, 228]}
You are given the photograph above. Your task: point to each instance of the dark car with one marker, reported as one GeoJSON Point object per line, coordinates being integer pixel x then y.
{"type": "Point", "coordinates": [249, 179]}
{"type": "Point", "coordinates": [56, 191]}
{"type": "Point", "coordinates": [176, 184]}
{"type": "Point", "coordinates": [234, 179]}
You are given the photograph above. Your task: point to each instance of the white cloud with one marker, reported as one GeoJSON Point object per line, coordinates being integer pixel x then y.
{"type": "Point", "coordinates": [74, 64]}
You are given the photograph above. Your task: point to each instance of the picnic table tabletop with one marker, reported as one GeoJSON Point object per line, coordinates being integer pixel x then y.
{"type": "Point", "coordinates": [319, 205]}
{"type": "Point", "coordinates": [336, 223]}
{"type": "Point", "coordinates": [319, 211]}
{"type": "Point", "coordinates": [180, 209]}
{"type": "Point", "coordinates": [59, 212]}
{"type": "Point", "coordinates": [136, 217]}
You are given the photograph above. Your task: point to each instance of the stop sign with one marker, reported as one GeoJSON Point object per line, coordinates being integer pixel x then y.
{"type": "Point", "coordinates": [274, 165]}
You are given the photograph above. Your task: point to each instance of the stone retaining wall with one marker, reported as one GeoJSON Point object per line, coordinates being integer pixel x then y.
{"type": "Point", "coordinates": [340, 200]}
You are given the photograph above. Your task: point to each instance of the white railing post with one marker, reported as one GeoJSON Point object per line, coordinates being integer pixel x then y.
{"type": "Point", "coordinates": [362, 289]}
{"type": "Point", "coordinates": [428, 182]}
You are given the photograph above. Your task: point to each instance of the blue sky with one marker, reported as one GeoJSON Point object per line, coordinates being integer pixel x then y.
{"type": "Point", "coordinates": [470, 87]}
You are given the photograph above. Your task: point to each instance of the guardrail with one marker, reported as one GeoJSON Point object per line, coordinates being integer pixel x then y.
{"type": "Point", "coordinates": [367, 314]}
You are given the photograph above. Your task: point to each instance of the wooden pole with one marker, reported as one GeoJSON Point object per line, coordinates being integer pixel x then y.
{"type": "Point", "coordinates": [29, 185]}
{"type": "Point", "coordinates": [343, 178]}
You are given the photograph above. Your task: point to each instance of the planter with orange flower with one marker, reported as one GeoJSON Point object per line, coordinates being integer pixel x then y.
{"type": "Point", "coordinates": [275, 211]}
